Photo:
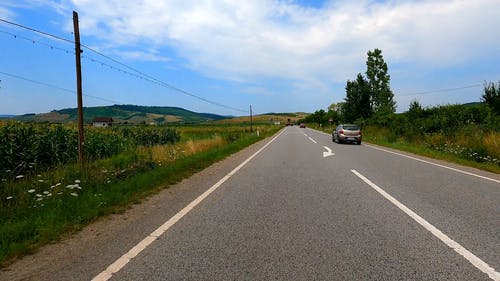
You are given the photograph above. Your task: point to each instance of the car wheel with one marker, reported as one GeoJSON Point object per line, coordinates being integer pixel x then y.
{"type": "Point", "coordinates": [359, 142]}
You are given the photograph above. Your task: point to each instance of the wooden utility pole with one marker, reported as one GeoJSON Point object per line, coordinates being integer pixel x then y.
{"type": "Point", "coordinates": [251, 121]}
{"type": "Point", "coordinates": [78, 51]}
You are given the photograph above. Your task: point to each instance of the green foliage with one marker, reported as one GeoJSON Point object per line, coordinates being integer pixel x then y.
{"type": "Point", "coordinates": [126, 112]}
{"type": "Point", "coordinates": [465, 132]}
{"type": "Point", "coordinates": [379, 79]}
{"type": "Point", "coordinates": [372, 95]}
{"type": "Point", "coordinates": [491, 96]}
{"type": "Point", "coordinates": [38, 209]}
{"type": "Point", "coordinates": [357, 101]}
{"type": "Point", "coordinates": [321, 117]}
{"type": "Point", "coordinates": [27, 148]}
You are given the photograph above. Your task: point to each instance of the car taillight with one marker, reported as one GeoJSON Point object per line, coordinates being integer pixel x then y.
{"type": "Point", "coordinates": [360, 132]}
{"type": "Point", "coordinates": [341, 132]}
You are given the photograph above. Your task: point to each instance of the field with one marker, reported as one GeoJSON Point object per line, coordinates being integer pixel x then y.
{"type": "Point", "coordinates": [44, 193]}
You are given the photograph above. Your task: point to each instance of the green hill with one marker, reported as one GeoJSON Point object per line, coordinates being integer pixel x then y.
{"type": "Point", "coordinates": [132, 114]}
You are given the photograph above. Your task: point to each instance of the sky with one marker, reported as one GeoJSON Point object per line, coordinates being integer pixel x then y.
{"type": "Point", "coordinates": [276, 55]}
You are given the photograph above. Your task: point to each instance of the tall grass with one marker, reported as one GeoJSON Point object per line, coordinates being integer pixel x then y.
{"type": "Point", "coordinates": [39, 208]}
{"type": "Point", "coordinates": [27, 148]}
{"type": "Point", "coordinates": [469, 147]}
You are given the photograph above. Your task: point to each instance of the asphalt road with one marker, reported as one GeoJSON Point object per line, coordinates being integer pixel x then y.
{"type": "Point", "coordinates": [290, 213]}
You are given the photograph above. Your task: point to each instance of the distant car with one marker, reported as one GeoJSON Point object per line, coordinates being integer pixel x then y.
{"type": "Point", "coordinates": [302, 125]}
{"type": "Point", "coordinates": [347, 133]}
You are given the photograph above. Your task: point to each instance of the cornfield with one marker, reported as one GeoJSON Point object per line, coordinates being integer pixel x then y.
{"type": "Point", "coordinates": [27, 148]}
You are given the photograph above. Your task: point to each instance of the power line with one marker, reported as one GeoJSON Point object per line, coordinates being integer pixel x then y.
{"type": "Point", "coordinates": [144, 75]}
{"type": "Point", "coordinates": [93, 60]}
{"type": "Point", "coordinates": [57, 87]}
{"type": "Point", "coordinates": [37, 31]}
{"type": "Point", "coordinates": [34, 41]}
{"type": "Point", "coordinates": [440, 90]}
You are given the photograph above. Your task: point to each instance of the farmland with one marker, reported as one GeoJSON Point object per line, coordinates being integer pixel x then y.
{"type": "Point", "coordinates": [45, 193]}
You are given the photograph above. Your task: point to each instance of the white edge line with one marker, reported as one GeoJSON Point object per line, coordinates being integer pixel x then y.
{"type": "Point", "coordinates": [427, 162]}
{"type": "Point", "coordinates": [311, 139]}
{"type": "Point", "coordinates": [435, 164]}
{"type": "Point", "coordinates": [123, 260]}
{"type": "Point", "coordinates": [474, 260]}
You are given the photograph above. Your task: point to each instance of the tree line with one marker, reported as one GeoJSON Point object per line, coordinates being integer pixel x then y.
{"type": "Point", "coordinates": [369, 100]}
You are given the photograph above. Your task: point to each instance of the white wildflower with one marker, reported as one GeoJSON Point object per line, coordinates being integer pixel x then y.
{"type": "Point", "coordinates": [39, 199]}
{"type": "Point", "coordinates": [20, 177]}
{"type": "Point", "coordinates": [74, 194]}
{"type": "Point", "coordinates": [77, 181]}
{"type": "Point", "coordinates": [39, 195]}
{"type": "Point", "coordinates": [31, 191]}
{"type": "Point", "coordinates": [46, 192]}
{"type": "Point", "coordinates": [9, 197]}
{"type": "Point", "coordinates": [40, 180]}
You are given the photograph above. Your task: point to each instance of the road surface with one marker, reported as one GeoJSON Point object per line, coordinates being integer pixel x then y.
{"type": "Point", "coordinates": [300, 207]}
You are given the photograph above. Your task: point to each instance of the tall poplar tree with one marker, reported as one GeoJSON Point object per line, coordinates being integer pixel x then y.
{"type": "Point", "coordinates": [379, 81]}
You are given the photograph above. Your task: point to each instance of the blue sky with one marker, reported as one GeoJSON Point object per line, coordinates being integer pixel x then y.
{"type": "Point", "coordinates": [279, 56]}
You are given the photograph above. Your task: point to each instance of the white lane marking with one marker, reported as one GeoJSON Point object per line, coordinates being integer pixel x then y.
{"type": "Point", "coordinates": [312, 140]}
{"type": "Point", "coordinates": [123, 260]}
{"type": "Point", "coordinates": [305, 134]}
{"type": "Point", "coordinates": [477, 262]}
{"type": "Point", "coordinates": [435, 164]}
{"type": "Point", "coordinates": [328, 152]}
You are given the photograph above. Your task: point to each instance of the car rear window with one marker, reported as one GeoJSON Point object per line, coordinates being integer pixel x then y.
{"type": "Point", "coordinates": [351, 127]}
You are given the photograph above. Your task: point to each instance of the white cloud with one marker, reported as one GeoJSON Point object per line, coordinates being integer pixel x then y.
{"type": "Point", "coordinates": [151, 55]}
{"type": "Point", "coordinates": [5, 13]}
{"type": "Point", "coordinates": [264, 38]}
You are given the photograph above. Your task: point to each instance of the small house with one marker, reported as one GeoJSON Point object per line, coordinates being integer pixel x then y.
{"type": "Point", "coordinates": [102, 122]}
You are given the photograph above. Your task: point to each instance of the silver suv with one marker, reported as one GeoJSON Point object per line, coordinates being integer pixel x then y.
{"type": "Point", "coordinates": [347, 133]}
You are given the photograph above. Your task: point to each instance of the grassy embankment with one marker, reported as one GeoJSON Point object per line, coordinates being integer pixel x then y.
{"type": "Point", "coordinates": [468, 147]}
{"type": "Point", "coordinates": [40, 207]}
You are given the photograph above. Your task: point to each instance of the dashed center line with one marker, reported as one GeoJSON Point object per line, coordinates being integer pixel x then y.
{"type": "Point", "coordinates": [312, 140]}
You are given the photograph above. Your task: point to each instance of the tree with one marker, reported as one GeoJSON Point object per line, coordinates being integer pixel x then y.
{"type": "Point", "coordinates": [357, 101]}
{"type": "Point", "coordinates": [491, 96]}
{"type": "Point", "coordinates": [415, 110]}
{"type": "Point", "coordinates": [379, 80]}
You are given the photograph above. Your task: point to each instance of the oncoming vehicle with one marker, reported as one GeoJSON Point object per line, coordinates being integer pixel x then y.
{"type": "Point", "coordinates": [347, 133]}
{"type": "Point", "coordinates": [302, 125]}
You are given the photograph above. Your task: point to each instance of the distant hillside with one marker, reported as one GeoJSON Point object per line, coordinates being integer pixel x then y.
{"type": "Point", "coordinates": [132, 114]}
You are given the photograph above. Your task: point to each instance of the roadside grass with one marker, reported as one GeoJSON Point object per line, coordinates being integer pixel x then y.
{"type": "Point", "coordinates": [40, 209]}
{"type": "Point", "coordinates": [481, 152]}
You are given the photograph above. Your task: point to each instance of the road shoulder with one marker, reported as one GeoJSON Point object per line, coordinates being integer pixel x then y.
{"type": "Point", "coordinates": [89, 251]}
